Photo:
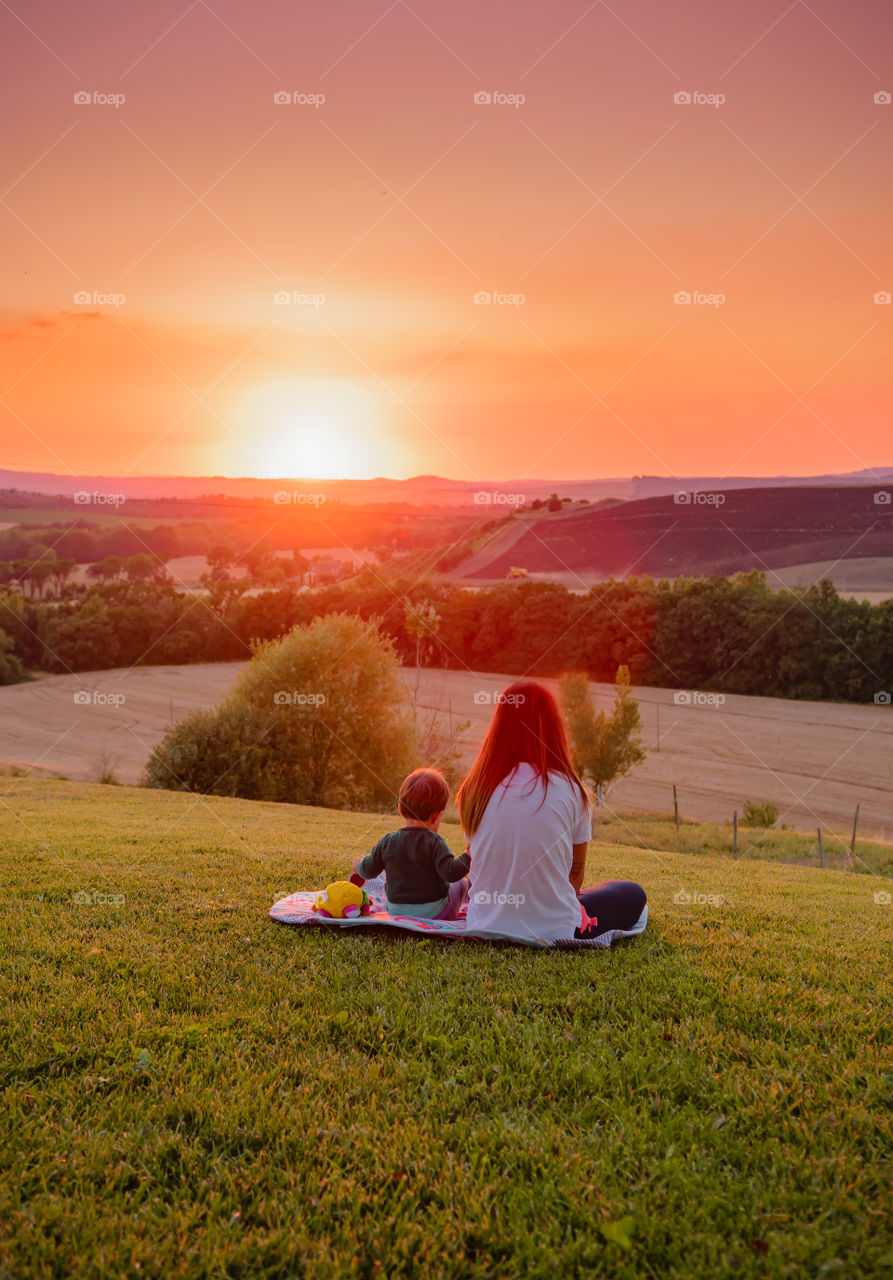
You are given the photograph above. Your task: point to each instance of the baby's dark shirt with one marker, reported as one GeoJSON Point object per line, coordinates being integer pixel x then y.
{"type": "Point", "coordinates": [418, 863]}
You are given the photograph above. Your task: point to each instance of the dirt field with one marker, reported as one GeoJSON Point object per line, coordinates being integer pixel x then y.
{"type": "Point", "coordinates": [868, 579]}
{"type": "Point", "coordinates": [814, 760]}
{"type": "Point", "coordinates": [43, 724]}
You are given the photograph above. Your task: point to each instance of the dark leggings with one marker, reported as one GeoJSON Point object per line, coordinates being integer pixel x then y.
{"type": "Point", "coordinates": [618, 904]}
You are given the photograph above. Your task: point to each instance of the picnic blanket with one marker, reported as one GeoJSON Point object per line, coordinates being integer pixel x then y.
{"type": "Point", "coordinates": [297, 908]}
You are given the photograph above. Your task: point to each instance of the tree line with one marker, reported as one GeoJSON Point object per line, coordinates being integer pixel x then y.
{"type": "Point", "coordinates": [732, 635]}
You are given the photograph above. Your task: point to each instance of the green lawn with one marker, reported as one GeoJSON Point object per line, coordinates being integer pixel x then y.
{"type": "Point", "coordinates": [192, 1090]}
{"type": "Point", "coordinates": [659, 832]}
{"type": "Point", "coordinates": [93, 514]}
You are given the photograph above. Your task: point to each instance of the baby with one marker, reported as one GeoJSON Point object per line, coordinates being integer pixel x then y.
{"type": "Point", "coordinates": [423, 877]}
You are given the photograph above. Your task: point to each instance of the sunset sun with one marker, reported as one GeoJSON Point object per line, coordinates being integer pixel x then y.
{"type": "Point", "coordinates": [312, 428]}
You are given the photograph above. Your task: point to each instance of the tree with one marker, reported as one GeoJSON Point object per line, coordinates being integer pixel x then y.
{"type": "Point", "coordinates": [257, 561]}
{"type": "Point", "coordinates": [107, 568]}
{"type": "Point", "coordinates": [140, 568]}
{"type": "Point", "coordinates": [554, 503]}
{"type": "Point", "coordinates": [606, 745]}
{"type": "Point", "coordinates": [220, 561]}
{"type": "Point", "coordinates": [39, 573]}
{"type": "Point", "coordinates": [62, 571]}
{"type": "Point", "coordinates": [423, 622]}
{"type": "Point", "coordinates": [11, 669]}
{"type": "Point", "coordinates": [319, 717]}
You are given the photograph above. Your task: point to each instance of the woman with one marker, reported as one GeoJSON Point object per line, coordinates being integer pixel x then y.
{"type": "Point", "coordinates": [528, 820]}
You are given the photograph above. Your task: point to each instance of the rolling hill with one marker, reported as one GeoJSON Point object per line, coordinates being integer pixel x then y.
{"type": "Point", "coordinates": [710, 532]}
{"type": "Point", "coordinates": [194, 1090]}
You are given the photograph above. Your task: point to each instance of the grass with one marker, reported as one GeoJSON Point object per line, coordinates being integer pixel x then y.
{"type": "Point", "coordinates": [651, 831]}
{"type": "Point", "coordinates": [192, 1090]}
{"type": "Point", "coordinates": [72, 511]}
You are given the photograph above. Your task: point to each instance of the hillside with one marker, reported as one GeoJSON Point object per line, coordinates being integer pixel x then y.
{"type": "Point", "coordinates": [195, 1090]}
{"type": "Point", "coordinates": [423, 491]}
{"type": "Point", "coordinates": [763, 528]}
{"type": "Point", "coordinates": [815, 760]}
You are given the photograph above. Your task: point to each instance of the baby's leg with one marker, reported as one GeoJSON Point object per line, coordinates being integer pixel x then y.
{"type": "Point", "coordinates": [456, 895]}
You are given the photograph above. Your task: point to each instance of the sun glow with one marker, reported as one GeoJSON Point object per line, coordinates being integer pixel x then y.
{"type": "Point", "coordinates": [312, 428]}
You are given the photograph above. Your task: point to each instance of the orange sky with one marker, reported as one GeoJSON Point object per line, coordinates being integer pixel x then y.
{"type": "Point", "coordinates": [598, 198]}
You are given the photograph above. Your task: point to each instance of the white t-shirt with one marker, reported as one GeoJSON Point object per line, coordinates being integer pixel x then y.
{"type": "Point", "coordinates": [521, 857]}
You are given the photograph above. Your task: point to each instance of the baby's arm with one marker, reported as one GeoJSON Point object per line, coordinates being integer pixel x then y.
{"type": "Point", "coordinates": [368, 867]}
{"type": "Point", "coordinates": [449, 868]}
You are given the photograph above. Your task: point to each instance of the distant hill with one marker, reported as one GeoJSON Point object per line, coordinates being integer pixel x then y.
{"type": "Point", "coordinates": [715, 532]}
{"type": "Point", "coordinates": [495, 497]}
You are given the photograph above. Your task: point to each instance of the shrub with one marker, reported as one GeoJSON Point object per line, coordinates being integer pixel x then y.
{"type": "Point", "coordinates": [320, 717]}
{"type": "Point", "coordinates": [223, 753]}
{"type": "Point", "coordinates": [605, 746]}
{"type": "Point", "coordinates": [759, 815]}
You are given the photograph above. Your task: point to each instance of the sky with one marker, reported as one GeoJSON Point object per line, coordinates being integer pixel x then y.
{"type": "Point", "coordinates": [389, 238]}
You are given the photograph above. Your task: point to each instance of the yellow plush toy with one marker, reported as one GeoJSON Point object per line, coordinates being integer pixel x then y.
{"type": "Point", "coordinates": [341, 900]}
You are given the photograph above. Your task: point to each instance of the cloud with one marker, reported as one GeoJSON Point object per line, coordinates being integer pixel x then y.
{"type": "Point", "coordinates": [23, 326]}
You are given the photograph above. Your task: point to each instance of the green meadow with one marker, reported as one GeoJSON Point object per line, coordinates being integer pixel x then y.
{"type": "Point", "coordinates": [68, 514]}
{"type": "Point", "coordinates": [192, 1090]}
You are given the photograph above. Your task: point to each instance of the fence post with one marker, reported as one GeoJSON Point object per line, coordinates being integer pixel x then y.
{"type": "Point", "coordinates": [821, 849]}
{"type": "Point", "coordinates": [675, 807]}
{"type": "Point", "coordinates": [853, 841]}
{"type": "Point", "coordinates": [735, 833]}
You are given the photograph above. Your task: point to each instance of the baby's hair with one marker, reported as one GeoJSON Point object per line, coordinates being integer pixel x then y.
{"type": "Point", "coordinates": [424, 793]}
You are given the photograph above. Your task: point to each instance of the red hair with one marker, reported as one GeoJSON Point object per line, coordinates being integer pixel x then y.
{"type": "Point", "coordinates": [526, 728]}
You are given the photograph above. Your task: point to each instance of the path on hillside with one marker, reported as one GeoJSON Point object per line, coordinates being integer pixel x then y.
{"type": "Point", "coordinates": [498, 544]}
{"type": "Point", "coordinates": [815, 760]}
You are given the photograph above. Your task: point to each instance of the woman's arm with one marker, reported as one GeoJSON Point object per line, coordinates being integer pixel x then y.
{"type": "Point", "coordinates": [578, 866]}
